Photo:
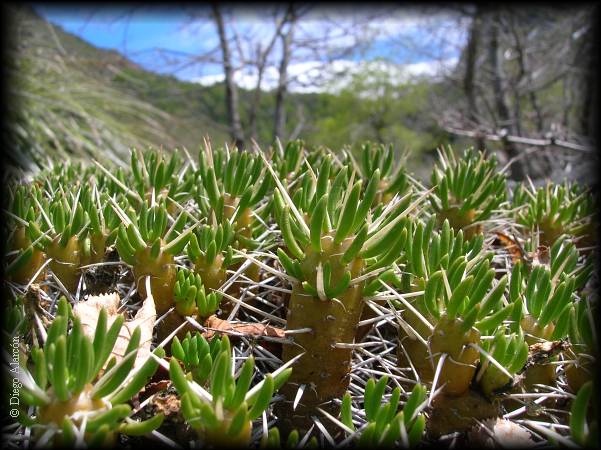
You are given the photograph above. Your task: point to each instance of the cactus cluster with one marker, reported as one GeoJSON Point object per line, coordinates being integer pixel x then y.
{"type": "Point", "coordinates": [80, 392]}
{"type": "Point", "coordinates": [553, 210]}
{"type": "Point", "coordinates": [284, 281]}
{"type": "Point", "coordinates": [222, 414]}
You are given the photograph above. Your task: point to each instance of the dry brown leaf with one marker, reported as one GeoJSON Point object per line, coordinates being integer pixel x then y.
{"type": "Point", "coordinates": [500, 433]}
{"type": "Point", "coordinates": [512, 247]}
{"type": "Point", "coordinates": [542, 352]}
{"type": "Point", "coordinates": [216, 324]}
{"type": "Point", "coordinates": [145, 318]}
{"type": "Point", "coordinates": [169, 404]}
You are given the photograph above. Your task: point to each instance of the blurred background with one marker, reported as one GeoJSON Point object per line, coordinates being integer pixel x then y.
{"type": "Point", "coordinates": [92, 81]}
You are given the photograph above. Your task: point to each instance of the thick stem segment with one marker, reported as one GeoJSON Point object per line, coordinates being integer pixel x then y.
{"type": "Point", "coordinates": [412, 349]}
{"type": "Point", "coordinates": [213, 274]}
{"type": "Point", "coordinates": [97, 250]}
{"type": "Point", "coordinates": [162, 277]}
{"type": "Point", "coordinates": [55, 413]}
{"type": "Point", "coordinates": [325, 368]}
{"type": "Point", "coordinates": [460, 364]}
{"type": "Point", "coordinates": [461, 221]}
{"type": "Point", "coordinates": [243, 228]}
{"type": "Point", "coordinates": [448, 337]}
{"type": "Point", "coordinates": [579, 372]}
{"type": "Point", "coordinates": [65, 261]}
{"type": "Point", "coordinates": [542, 373]}
{"type": "Point", "coordinates": [24, 274]}
{"type": "Point", "coordinates": [219, 437]}
{"type": "Point", "coordinates": [245, 219]}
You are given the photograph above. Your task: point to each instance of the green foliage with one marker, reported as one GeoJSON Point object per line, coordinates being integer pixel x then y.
{"type": "Point", "coordinates": [65, 379]}
{"type": "Point", "coordinates": [224, 414]}
{"type": "Point", "coordinates": [61, 104]}
{"type": "Point", "coordinates": [583, 432]}
{"type": "Point", "coordinates": [467, 188]}
{"type": "Point", "coordinates": [510, 351]}
{"type": "Point", "coordinates": [336, 211]}
{"type": "Point", "coordinates": [393, 174]}
{"type": "Point", "coordinates": [553, 210]}
{"type": "Point", "coordinates": [197, 355]}
{"type": "Point", "coordinates": [581, 328]}
{"type": "Point", "coordinates": [147, 230]}
{"type": "Point", "coordinates": [548, 301]}
{"type": "Point", "coordinates": [374, 108]}
{"type": "Point", "coordinates": [272, 440]}
{"type": "Point", "coordinates": [190, 296]}
{"type": "Point", "coordinates": [466, 311]}
{"type": "Point", "coordinates": [385, 425]}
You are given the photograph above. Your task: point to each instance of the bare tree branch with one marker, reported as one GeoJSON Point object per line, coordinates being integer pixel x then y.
{"type": "Point", "coordinates": [231, 90]}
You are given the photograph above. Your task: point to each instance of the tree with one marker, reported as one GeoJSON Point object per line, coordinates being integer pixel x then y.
{"type": "Point", "coordinates": [524, 74]}
{"type": "Point", "coordinates": [231, 90]}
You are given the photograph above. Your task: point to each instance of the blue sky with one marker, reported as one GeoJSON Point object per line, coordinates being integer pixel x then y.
{"type": "Point", "coordinates": [402, 36]}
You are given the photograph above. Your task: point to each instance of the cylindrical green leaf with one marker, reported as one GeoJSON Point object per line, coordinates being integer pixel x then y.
{"type": "Point", "coordinates": [493, 297]}
{"type": "Point", "coordinates": [458, 295]}
{"type": "Point", "coordinates": [288, 235]}
{"type": "Point", "coordinates": [238, 421]}
{"type": "Point", "coordinates": [103, 345]}
{"type": "Point", "coordinates": [263, 398]}
{"type": "Point", "coordinates": [578, 413]}
{"type": "Point", "coordinates": [139, 380]}
{"type": "Point", "coordinates": [347, 216]}
{"type": "Point", "coordinates": [346, 416]}
{"type": "Point", "coordinates": [140, 428]}
{"type": "Point", "coordinates": [316, 225]}
{"type": "Point", "coordinates": [60, 375]}
{"type": "Point", "coordinates": [242, 384]}
{"type": "Point", "coordinates": [109, 417]}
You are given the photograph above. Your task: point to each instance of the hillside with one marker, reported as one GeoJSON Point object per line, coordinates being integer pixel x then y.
{"type": "Point", "coordinates": [65, 100]}
{"type": "Point", "coordinates": [70, 97]}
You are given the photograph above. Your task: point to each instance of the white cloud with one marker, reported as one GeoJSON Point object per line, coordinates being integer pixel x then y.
{"type": "Point", "coordinates": [316, 76]}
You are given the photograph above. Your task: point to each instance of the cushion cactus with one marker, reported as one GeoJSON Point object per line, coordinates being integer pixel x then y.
{"type": "Point", "coordinates": [73, 389]}
{"type": "Point", "coordinates": [553, 210]}
{"type": "Point", "coordinates": [467, 190]}
{"type": "Point", "coordinates": [223, 414]}
{"type": "Point", "coordinates": [331, 245]}
{"type": "Point", "coordinates": [363, 272]}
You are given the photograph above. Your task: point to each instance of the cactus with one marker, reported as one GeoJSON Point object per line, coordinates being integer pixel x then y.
{"type": "Point", "coordinates": [393, 177]}
{"type": "Point", "coordinates": [542, 307]}
{"type": "Point", "coordinates": [229, 188]}
{"type": "Point", "coordinates": [145, 243]}
{"type": "Point", "coordinates": [325, 231]}
{"type": "Point", "coordinates": [190, 296]}
{"type": "Point", "coordinates": [385, 425]}
{"type": "Point", "coordinates": [28, 256]}
{"type": "Point", "coordinates": [197, 355]}
{"type": "Point", "coordinates": [65, 222]}
{"type": "Point", "coordinates": [467, 190]}
{"type": "Point", "coordinates": [233, 184]}
{"type": "Point", "coordinates": [583, 346]}
{"type": "Point", "coordinates": [583, 432]}
{"type": "Point", "coordinates": [71, 387]}
{"type": "Point", "coordinates": [508, 350]}
{"type": "Point", "coordinates": [152, 173]}
{"type": "Point", "coordinates": [210, 252]}
{"type": "Point", "coordinates": [272, 440]}
{"type": "Point", "coordinates": [103, 225]}
{"type": "Point", "coordinates": [287, 161]}
{"type": "Point", "coordinates": [554, 210]}
{"type": "Point", "coordinates": [223, 414]}
{"type": "Point", "coordinates": [478, 330]}
{"type": "Point", "coordinates": [459, 302]}
{"type": "Point", "coordinates": [15, 321]}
